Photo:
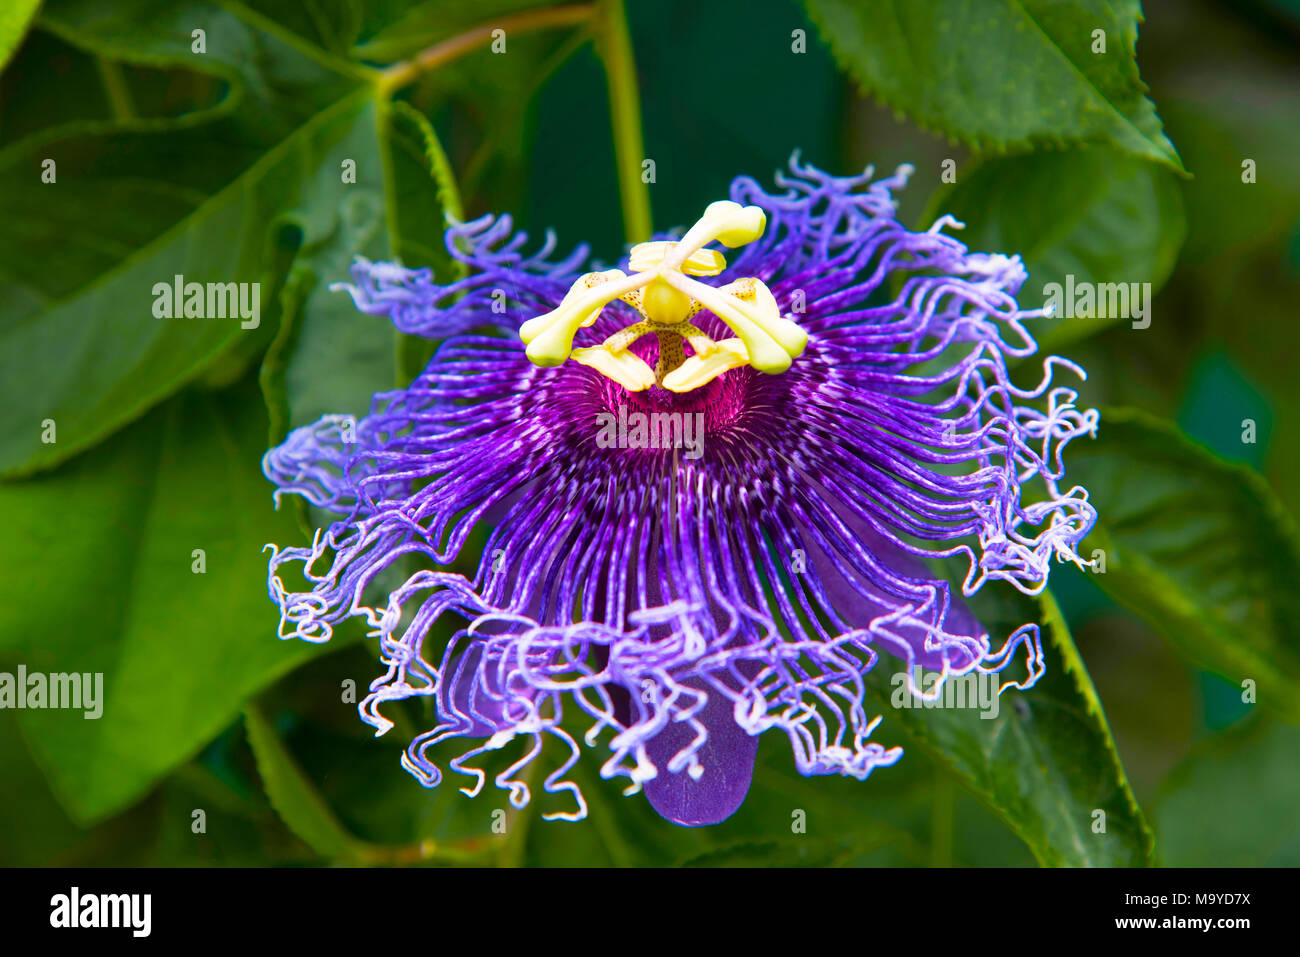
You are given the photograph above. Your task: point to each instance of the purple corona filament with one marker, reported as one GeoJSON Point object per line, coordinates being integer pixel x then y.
{"type": "Point", "coordinates": [672, 600]}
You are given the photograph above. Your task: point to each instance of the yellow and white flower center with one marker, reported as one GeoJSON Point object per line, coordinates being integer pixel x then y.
{"type": "Point", "coordinates": [661, 288]}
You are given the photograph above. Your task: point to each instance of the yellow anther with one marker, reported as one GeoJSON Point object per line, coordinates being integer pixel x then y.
{"type": "Point", "coordinates": [772, 340]}
{"type": "Point", "coordinates": [704, 262]}
{"type": "Point", "coordinates": [767, 314]}
{"type": "Point", "coordinates": [629, 371]}
{"type": "Point", "coordinates": [700, 370]}
{"type": "Point", "coordinates": [644, 257]}
{"type": "Point", "coordinates": [729, 223]}
{"type": "Point", "coordinates": [549, 337]}
{"type": "Point", "coordinates": [661, 289]}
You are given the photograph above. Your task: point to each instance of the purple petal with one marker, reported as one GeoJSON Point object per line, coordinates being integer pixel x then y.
{"type": "Point", "coordinates": [727, 759]}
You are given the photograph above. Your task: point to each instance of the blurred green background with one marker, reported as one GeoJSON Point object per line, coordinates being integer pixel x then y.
{"type": "Point", "coordinates": [225, 165]}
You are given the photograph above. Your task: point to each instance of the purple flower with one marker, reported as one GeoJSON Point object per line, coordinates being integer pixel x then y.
{"type": "Point", "coordinates": [710, 499]}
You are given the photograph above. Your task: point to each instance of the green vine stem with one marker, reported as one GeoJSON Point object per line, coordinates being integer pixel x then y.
{"type": "Point", "coordinates": [408, 71]}
{"type": "Point", "coordinates": [116, 90]}
{"type": "Point", "coordinates": [614, 45]}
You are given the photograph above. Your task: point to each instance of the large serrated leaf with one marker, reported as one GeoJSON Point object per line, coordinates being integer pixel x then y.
{"type": "Point", "coordinates": [1002, 74]}
{"type": "Point", "coordinates": [1199, 548]}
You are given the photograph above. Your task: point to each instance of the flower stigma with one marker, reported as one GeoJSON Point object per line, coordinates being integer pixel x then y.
{"type": "Point", "coordinates": [661, 290]}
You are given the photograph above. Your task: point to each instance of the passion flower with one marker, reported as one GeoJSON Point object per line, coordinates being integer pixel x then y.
{"type": "Point", "coordinates": [845, 382]}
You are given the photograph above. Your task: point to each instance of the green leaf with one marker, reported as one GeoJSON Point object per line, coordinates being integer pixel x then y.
{"type": "Point", "coordinates": [345, 793]}
{"type": "Point", "coordinates": [288, 204]}
{"type": "Point", "coordinates": [14, 19]}
{"type": "Point", "coordinates": [337, 356]}
{"type": "Point", "coordinates": [1232, 803]}
{"type": "Point", "coordinates": [328, 358]}
{"type": "Point", "coordinates": [1094, 215]}
{"type": "Point", "coordinates": [33, 829]}
{"type": "Point", "coordinates": [1002, 74]}
{"type": "Point", "coordinates": [1046, 763]}
{"type": "Point", "coordinates": [276, 78]}
{"type": "Point", "coordinates": [294, 797]}
{"type": "Point", "coordinates": [1201, 549]}
{"type": "Point", "coordinates": [331, 358]}
{"type": "Point", "coordinates": [423, 199]}
{"type": "Point", "coordinates": [100, 358]}
{"type": "Point", "coordinates": [328, 26]}
{"type": "Point", "coordinates": [362, 779]}
{"type": "Point", "coordinates": [106, 549]}
{"type": "Point", "coordinates": [242, 830]}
